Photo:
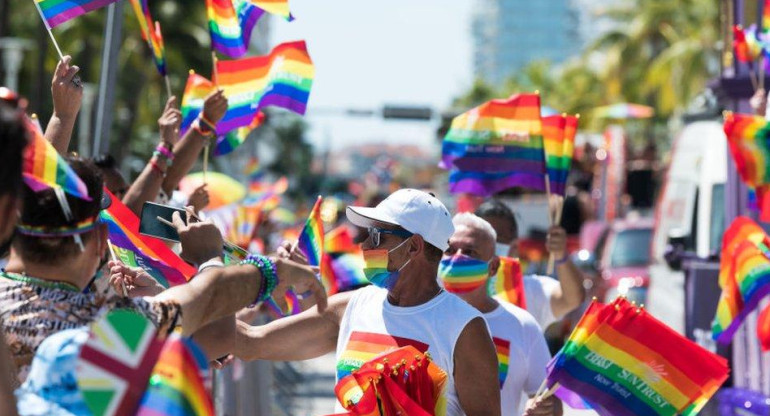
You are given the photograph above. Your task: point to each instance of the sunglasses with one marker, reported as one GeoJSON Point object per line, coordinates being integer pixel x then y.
{"type": "Point", "coordinates": [375, 234]}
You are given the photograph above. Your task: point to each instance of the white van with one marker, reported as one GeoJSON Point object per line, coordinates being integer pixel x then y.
{"type": "Point", "coordinates": [691, 205]}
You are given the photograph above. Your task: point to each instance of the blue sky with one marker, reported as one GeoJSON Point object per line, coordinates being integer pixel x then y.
{"type": "Point", "coordinates": [369, 53]}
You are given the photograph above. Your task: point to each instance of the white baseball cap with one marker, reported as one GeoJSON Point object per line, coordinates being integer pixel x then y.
{"type": "Point", "coordinates": [413, 210]}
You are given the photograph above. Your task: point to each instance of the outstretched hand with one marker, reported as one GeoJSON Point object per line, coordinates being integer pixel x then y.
{"type": "Point", "coordinates": [199, 198]}
{"type": "Point", "coordinates": [66, 89]}
{"type": "Point", "coordinates": [301, 279]}
{"type": "Point", "coordinates": [135, 280]}
{"type": "Point", "coordinates": [290, 250]}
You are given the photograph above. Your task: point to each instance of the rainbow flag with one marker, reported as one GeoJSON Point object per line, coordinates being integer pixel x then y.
{"type": "Point", "coordinates": [282, 79]}
{"type": "Point", "coordinates": [622, 361]}
{"type": "Point", "coordinates": [559, 144]}
{"type": "Point", "coordinates": [508, 283]}
{"type": "Point", "coordinates": [750, 150]}
{"type": "Point", "coordinates": [44, 168]}
{"type": "Point", "coordinates": [763, 329]}
{"type": "Point", "coordinates": [495, 146]}
{"type": "Point", "coordinates": [179, 384]}
{"type": "Point", "coordinates": [276, 7]}
{"type": "Point", "coordinates": [339, 240]}
{"type": "Point", "coordinates": [230, 25]}
{"type": "Point", "coordinates": [311, 238]}
{"type": "Point", "coordinates": [142, 12]}
{"type": "Point", "coordinates": [364, 346]}
{"type": "Point", "coordinates": [766, 16]}
{"type": "Point", "coordinates": [231, 140]}
{"type": "Point", "coordinates": [158, 49]}
{"type": "Point", "coordinates": [503, 349]}
{"type": "Point", "coordinates": [342, 272]}
{"type": "Point", "coordinates": [146, 252]}
{"type": "Point", "coordinates": [747, 47]}
{"type": "Point", "coordinates": [195, 93]}
{"type": "Point", "coordinates": [747, 282]}
{"type": "Point", "coordinates": [56, 12]}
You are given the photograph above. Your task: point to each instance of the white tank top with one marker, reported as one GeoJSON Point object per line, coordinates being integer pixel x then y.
{"type": "Point", "coordinates": [371, 326]}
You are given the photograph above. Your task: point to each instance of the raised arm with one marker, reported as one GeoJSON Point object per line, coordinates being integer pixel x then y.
{"type": "Point", "coordinates": [186, 151]}
{"type": "Point", "coordinates": [307, 335]}
{"type": "Point", "coordinates": [570, 294]}
{"type": "Point", "coordinates": [67, 92]}
{"type": "Point", "coordinates": [147, 185]}
{"type": "Point", "coordinates": [476, 379]}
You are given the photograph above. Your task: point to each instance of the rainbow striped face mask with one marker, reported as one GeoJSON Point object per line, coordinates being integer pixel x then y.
{"type": "Point", "coordinates": [376, 267]}
{"type": "Point", "coordinates": [463, 274]}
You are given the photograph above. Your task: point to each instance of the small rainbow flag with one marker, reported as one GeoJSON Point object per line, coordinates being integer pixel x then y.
{"type": "Point", "coordinates": [342, 272]}
{"type": "Point", "coordinates": [231, 140]}
{"type": "Point", "coordinates": [559, 144]}
{"type": "Point", "coordinates": [763, 328]}
{"type": "Point", "coordinates": [44, 168]}
{"type": "Point", "coordinates": [503, 348]}
{"type": "Point", "coordinates": [195, 93]}
{"type": "Point", "coordinates": [508, 283]}
{"type": "Point", "coordinates": [179, 384]}
{"type": "Point", "coordinates": [747, 48]}
{"type": "Point", "coordinates": [311, 239]}
{"type": "Point", "coordinates": [282, 79]}
{"type": "Point", "coordinates": [142, 12]}
{"type": "Point", "coordinates": [744, 276]}
{"type": "Point", "coordinates": [339, 240]}
{"type": "Point", "coordinates": [766, 16]}
{"type": "Point", "coordinates": [230, 24]}
{"type": "Point", "coordinates": [747, 140]}
{"type": "Point", "coordinates": [158, 49]}
{"type": "Point", "coordinates": [622, 361]}
{"type": "Point", "coordinates": [146, 252]}
{"type": "Point", "coordinates": [496, 145]}
{"type": "Point", "coordinates": [56, 12]}
{"type": "Point", "coordinates": [276, 7]}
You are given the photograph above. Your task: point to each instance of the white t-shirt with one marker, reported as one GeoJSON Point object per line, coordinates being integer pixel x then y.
{"type": "Point", "coordinates": [520, 344]}
{"type": "Point", "coordinates": [372, 325]}
{"type": "Point", "coordinates": [538, 291]}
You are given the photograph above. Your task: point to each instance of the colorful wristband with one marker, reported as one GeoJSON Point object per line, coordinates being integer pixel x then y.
{"type": "Point", "coordinates": [269, 276]}
{"type": "Point", "coordinates": [156, 167]}
{"type": "Point", "coordinates": [165, 152]}
{"type": "Point", "coordinates": [158, 155]}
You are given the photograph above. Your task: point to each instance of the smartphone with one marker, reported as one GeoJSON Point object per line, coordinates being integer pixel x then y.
{"type": "Point", "coordinates": [156, 221]}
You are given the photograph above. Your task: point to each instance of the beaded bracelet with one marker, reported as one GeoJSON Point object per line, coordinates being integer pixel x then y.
{"type": "Point", "coordinates": [197, 126]}
{"type": "Point", "coordinates": [269, 276]}
{"type": "Point", "coordinates": [208, 123]}
{"type": "Point", "coordinates": [158, 155]}
{"type": "Point", "coordinates": [165, 151]}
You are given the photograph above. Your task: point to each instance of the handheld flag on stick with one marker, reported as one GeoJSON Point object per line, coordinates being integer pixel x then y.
{"type": "Point", "coordinates": [747, 140]}
{"type": "Point", "coordinates": [56, 12]}
{"type": "Point", "coordinates": [230, 24]}
{"type": "Point", "coordinates": [508, 284]}
{"type": "Point", "coordinates": [311, 239]}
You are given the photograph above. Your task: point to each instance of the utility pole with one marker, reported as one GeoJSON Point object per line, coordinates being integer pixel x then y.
{"type": "Point", "coordinates": [107, 80]}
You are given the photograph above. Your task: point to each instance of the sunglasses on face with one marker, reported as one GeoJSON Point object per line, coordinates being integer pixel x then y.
{"type": "Point", "coordinates": [375, 235]}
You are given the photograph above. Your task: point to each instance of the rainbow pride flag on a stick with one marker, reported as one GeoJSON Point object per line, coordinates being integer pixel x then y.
{"type": "Point", "coordinates": [276, 7]}
{"type": "Point", "coordinates": [151, 34]}
{"type": "Point", "coordinates": [495, 146]}
{"type": "Point", "coordinates": [56, 12]}
{"type": "Point", "coordinates": [230, 24]}
{"type": "Point", "coordinates": [281, 79]}
{"type": "Point", "coordinates": [559, 144]}
{"type": "Point", "coordinates": [195, 93]}
{"type": "Point", "coordinates": [622, 361]}
{"type": "Point", "coordinates": [311, 239]}
{"type": "Point", "coordinates": [146, 252]}
{"type": "Point", "coordinates": [44, 168]}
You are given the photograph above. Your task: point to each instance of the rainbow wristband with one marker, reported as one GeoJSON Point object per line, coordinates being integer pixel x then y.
{"type": "Point", "coordinates": [166, 152]}
{"type": "Point", "coordinates": [206, 124]}
{"type": "Point", "coordinates": [269, 276]}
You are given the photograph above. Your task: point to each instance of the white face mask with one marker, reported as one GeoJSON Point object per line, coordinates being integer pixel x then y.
{"type": "Point", "coordinates": [501, 250]}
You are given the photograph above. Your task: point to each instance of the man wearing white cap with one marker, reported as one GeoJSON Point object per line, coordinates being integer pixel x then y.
{"type": "Point", "coordinates": [407, 234]}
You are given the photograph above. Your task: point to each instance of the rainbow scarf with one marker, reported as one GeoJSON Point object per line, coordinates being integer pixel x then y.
{"type": "Point", "coordinates": [559, 144]}
{"type": "Point", "coordinates": [744, 276]}
{"type": "Point", "coordinates": [44, 168]}
{"type": "Point", "coordinates": [56, 12]}
{"type": "Point", "coordinates": [282, 79]}
{"type": "Point", "coordinates": [178, 384]}
{"type": "Point", "coordinates": [137, 250]}
{"type": "Point", "coordinates": [508, 283]}
{"type": "Point", "coordinates": [463, 274]}
{"type": "Point", "coordinates": [230, 25]}
{"type": "Point", "coordinates": [311, 238]}
{"type": "Point", "coordinates": [622, 361]}
{"type": "Point", "coordinates": [195, 93]}
{"type": "Point", "coordinates": [495, 146]}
